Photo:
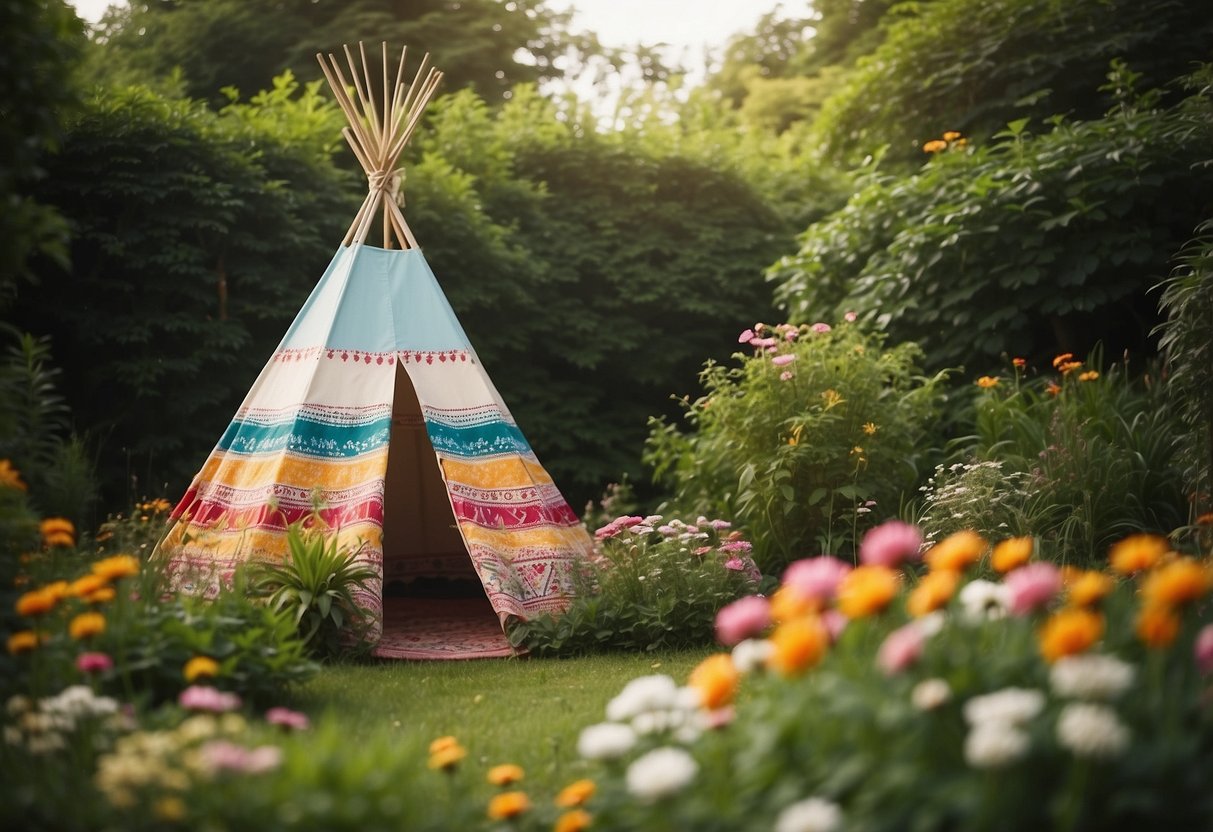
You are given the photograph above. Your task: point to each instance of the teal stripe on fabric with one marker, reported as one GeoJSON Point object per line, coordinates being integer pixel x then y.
{"type": "Point", "coordinates": [479, 440]}
{"type": "Point", "coordinates": [303, 436]}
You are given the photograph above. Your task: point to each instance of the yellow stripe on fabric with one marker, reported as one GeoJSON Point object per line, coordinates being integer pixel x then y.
{"type": "Point", "coordinates": [250, 472]}
{"type": "Point", "coordinates": [507, 472]}
{"type": "Point", "coordinates": [190, 541]}
{"type": "Point", "coordinates": [547, 537]}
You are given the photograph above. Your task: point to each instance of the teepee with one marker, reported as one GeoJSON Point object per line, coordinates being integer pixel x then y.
{"type": "Point", "coordinates": [376, 409]}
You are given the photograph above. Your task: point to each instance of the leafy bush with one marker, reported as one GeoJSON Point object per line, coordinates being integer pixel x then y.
{"type": "Point", "coordinates": [815, 428]}
{"type": "Point", "coordinates": [654, 584]}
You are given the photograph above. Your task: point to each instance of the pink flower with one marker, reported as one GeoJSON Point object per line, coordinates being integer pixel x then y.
{"type": "Point", "coordinates": [791, 334]}
{"type": "Point", "coordinates": [1204, 649]}
{"type": "Point", "coordinates": [287, 718]}
{"type": "Point", "coordinates": [786, 375]}
{"type": "Point", "coordinates": [817, 578]}
{"type": "Point", "coordinates": [835, 623]}
{"type": "Point", "coordinates": [746, 337]}
{"type": "Point", "coordinates": [201, 698]}
{"type": "Point", "coordinates": [1031, 587]}
{"type": "Point", "coordinates": [745, 564]}
{"type": "Point", "coordinates": [720, 525]}
{"type": "Point", "coordinates": [720, 717]}
{"type": "Point", "coordinates": [850, 317]}
{"type": "Point", "coordinates": [901, 648]}
{"type": "Point", "coordinates": [781, 360]}
{"type": "Point", "coordinates": [616, 526]}
{"type": "Point", "coordinates": [221, 755]}
{"type": "Point", "coordinates": [890, 543]}
{"type": "Point", "coordinates": [763, 343]}
{"type": "Point", "coordinates": [93, 662]}
{"type": "Point", "coordinates": [820, 327]}
{"type": "Point", "coordinates": [742, 619]}
{"type": "Point", "coordinates": [701, 551]}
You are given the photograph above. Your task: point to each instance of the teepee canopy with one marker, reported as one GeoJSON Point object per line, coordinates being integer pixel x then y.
{"type": "Point", "coordinates": [378, 133]}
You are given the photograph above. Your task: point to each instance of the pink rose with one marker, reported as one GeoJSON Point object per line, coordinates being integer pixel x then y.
{"type": "Point", "coordinates": [817, 578]}
{"type": "Point", "coordinates": [1032, 587]}
{"type": "Point", "coordinates": [890, 543]}
{"type": "Point", "coordinates": [742, 619]}
{"type": "Point", "coordinates": [901, 648]}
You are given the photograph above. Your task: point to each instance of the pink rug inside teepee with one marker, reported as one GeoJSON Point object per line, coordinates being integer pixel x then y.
{"type": "Point", "coordinates": [441, 628]}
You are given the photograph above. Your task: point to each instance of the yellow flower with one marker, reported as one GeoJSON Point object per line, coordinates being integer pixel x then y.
{"type": "Point", "coordinates": [933, 591]}
{"type": "Point", "coordinates": [576, 793]}
{"type": "Point", "coordinates": [118, 566]}
{"type": "Point", "coordinates": [832, 398]}
{"type": "Point", "coordinates": [58, 531]}
{"type": "Point", "coordinates": [1011, 553]}
{"type": "Point", "coordinates": [36, 602]}
{"type": "Point", "coordinates": [101, 596]}
{"type": "Point", "coordinates": [22, 642]}
{"type": "Point", "coordinates": [574, 821]}
{"type": "Point", "coordinates": [443, 743]}
{"type": "Point", "coordinates": [82, 587]}
{"type": "Point", "coordinates": [1089, 375]}
{"type": "Point", "coordinates": [1062, 359]}
{"type": "Point", "coordinates": [870, 428]}
{"type": "Point", "coordinates": [794, 439]}
{"type": "Point", "coordinates": [866, 590]}
{"type": "Point", "coordinates": [1089, 587]}
{"type": "Point", "coordinates": [504, 775]}
{"type": "Point", "coordinates": [447, 757]}
{"type": "Point", "coordinates": [934, 146]}
{"type": "Point", "coordinates": [58, 590]}
{"type": "Point", "coordinates": [955, 552]}
{"type": "Point", "coordinates": [10, 477]}
{"type": "Point", "coordinates": [1137, 552]}
{"type": "Point", "coordinates": [1068, 632]}
{"type": "Point", "coordinates": [798, 645]}
{"type": "Point", "coordinates": [716, 679]}
{"type": "Point", "coordinates": [858, 449]}
{"type": "Point", "coordinates": [1157, 626]}
{"type": "Point", "coordinates": [951, 135]}
{"type": "Point", "coordinates": [986, 382]}
{"type": "Point", "coordinates": [508, 805]}
{"type": "Point", "coordinates": [200, 667]}
{"type": "Point", "coordinates": [86, 625]}
{"type": "Point", "coordinates": [1176, 583]}
{"type": "Point", "coordinates": [1069, 367]}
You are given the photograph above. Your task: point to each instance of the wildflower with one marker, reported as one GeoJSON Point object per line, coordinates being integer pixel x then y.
{"type": "Point", "coordinates": [1069, 367]}
{"type": "Point", "coordinates": [1089, 375]}
{"type": "Point", "coordinates": [1053, 389]}
{"type": "Point", "coordinates": [101, 596]}
{"type": "Point", "coordinates": [955, 552]}
{"type": "Point", "coordinates": [35, 603]}
{"type": "Point", "coordinates": [1137, 552]}
{"type": "Point", "coordinates": [94, 663]}
{"type": "Point", "coordinates": [986, 382]}
{"type": "Point", "coordinates": [812, 815]}
{"type": "Point", "coordinates": [24, 641]}
{"type": "Point", "coordinates": [901, 648]}
{"type": "Point", "coordinates": [1069, 632]}
{"type": "Point", "coordinates": [605, 741]}
{"type": "Point", "coordinates": [951, 135]}
{"type": "Point", "coordinates": [741, 619]}
{"type": "Point", "coordinates": [866, 590]}
{"type": "Point", "coordinates": [118, 566]}
{"type": "Point", "coordinates": [786, 375]}
{"type": "Point", "coordinates": [447, 757]}
{"type": "Point", "coordinates": [995, 745]}
{"type": "Point", "coordinates": [1176, 583]}
{"type": "Point", "coordinates": [982, 599]}
{"type": "Point", "coordinates": [934, 146]}
{"type": "Point", "coordinates": [199, 698]}
{"type": "Point", "coordinates": [783, 360]}
{"type": "Point", "coordinates": [1064, 358]}
{"type": "Point", "coordinates": [644, 693]}
{"type": "Point", "coordinates": [86, 625]}
{"type": "Point", "coordinates": [1011, 553]}
{"type": "Point", "coordinates": [1033, 586]}
{"type": "Point", "coordinates": [1203, 648]}
{"type": "Point", "coordinates": [660, 773]}
{"type": "Point", "coordinates": [1019, 363]}
{"type": "Point", "coordinates": [933, 591]}
{"type": "Point", "coordinates": [58, 590]}
{"type": "Point", "coordinates": [83, 587]}
{"type": "Point", "coordinates": [1013, 706]}
{"type": "Point", "coordinates": [820, 328]}
{"type": "Point", "coordinates": [505, 775]}
{"type": "Point", "coordinates": [1092, 731]}
{"type": "Point", "coordinates": [890, 543]}
{"type": "Point", "coordinates": [10, 477]}
{"type": "Point", "coordinates": [200, 667]}
{"type": "Point", "coordinates": [832, 398]}
{"type": "Point", "coordinates": [1089, 587]}
{"type": "Point", "coordinates": [575, 794]}
{"type": "Point", "coordinates": [746, 337]}
{"type": "Point", "coordinates": [58, 531]}
{"type": "Point", "coordinates": [1091, 677]}
{"type": "Point", "coordinates": [286, 718]}
{"type": "Point", "coordinates": [930, 694]}
{"type": "Point", "coordinates": [870, 428]}
{"type": "Point", "coordinates": [574, 821]}
{"type": "Point", "coordinates": [850, 317]}
{"type": "Point", "coordinates": [752, 654]}
{"type": "Point", "coordinates": [815, 579]}
{"type": "Point", "coordinates": [443, 743]}
{"type": "Point", "coordinates": [1157, 626]}
{"type": "Point", "coordinates": [798, 644]}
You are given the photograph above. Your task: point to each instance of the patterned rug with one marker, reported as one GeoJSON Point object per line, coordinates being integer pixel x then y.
{"type": "Point", "coordinates": [441, 628]}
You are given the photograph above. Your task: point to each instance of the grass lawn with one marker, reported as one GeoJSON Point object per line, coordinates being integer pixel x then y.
{"type": "Point", "coordinates": [524, 711]}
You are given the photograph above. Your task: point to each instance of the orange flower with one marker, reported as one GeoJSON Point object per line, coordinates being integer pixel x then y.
{"type": "Point", "coordinates": [951, 135]}
{"type": "Point", "coordinates": [1069, 367]}
{"type": "Point", "coordinates": [934, 146]}
{"type": "Point", "coordinates": [1176, 583]}
{"type": "Point", "coordinates": [1068, 632]}
{"type": "Point", "coordinates": [1062, 359]}
{"type": "Point", "coordinates": [575, 794]}
{"type": "Point", "coordinates": [443, 743]}
{"type": "Point", "coordinates": [10, 477]}
{"type": "Point", "coordinates": [504, 775]}
{"type": "Point", "coordinates": [1020, 362]}
{"type": "Point", "coordinates": [101, 596]}
{"type": "Point", "coordinates": [933, 591]}
{"type": "Point", "coordinates": [986, 382]}
{"type": "Point", "coordinates": [716, 679]}
{"type": "Point", "coordinates": [798, 645]}
{"type": "Point", "coordinates": [866, 590]}
{"type": "Point", "coordinates": [1012, 553]}
{"type": "Point", "coordinates": [508, 805]}
{"type": "Point", "coordinates": [955, 552]}
{"type": "Point", "coordinates": [447, 757]}
{"type": "Point", "coordinates": [1053, 389]}
{"type": "Point", "coordinates": [58, 590]}
{"type": "Point", "coordinates": [118, 566]}
{"type": "Point", "coordinates": [574, 821]}
{"type": "Point", "coordinates": [58, 531]}
{"type": "Point", "coordinates": [1157, 626]}
{"type": "Point", "coordinates": [1089, 375]}
{"type": "Point", "coordinates": [200, 667]}
{"type": "Point", "coordinates": [870, 428]}
{"type": "Point", "coordinates": [789, 602]}
{"type": "Point", "coordinates": [1089, 588]}
{"type": "Point", "coordinates": [37, 602]}
{"type": "Point", "coordinates": [82, 587]}
{"type": "Point", "coordinates": [1205, 519]}
{"type": "Point", "coordinates": [22, 642]}
{"type": "Point", "coordinates": [86, 625]}
{"type": "Point", "coordinates": [1137, 552]}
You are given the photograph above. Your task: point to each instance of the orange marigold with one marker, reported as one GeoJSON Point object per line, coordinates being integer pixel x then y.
{"type": "Point", "coordinates": [58, 531]}
{"type": "Point", "coordinates": [1012, 553]}
{"type": "Point", "coordinates": [22, 642]}
{"type": "Point", "coordinates": [1068, 632]}
{"type": "Point", "coordinates": [447, 757]}
{"type": "Point", "coordinates": [1137, 552]}
{"type": "Point", "coordinates": [118, 566]}
{"type": "Point", "coordinates": [934, 146]}
{"type": "Point", "coordinates": [504, 775]}
{"type": "Point", "coordinates": [86, 625]}
{"type": "Point", "coordinates": [36, 602]}
{"type": "Point", "coordinates": [82, 587]}
{"type": "Point", "coordinates": [798, 645]}
{"type": "Point", "coordinates": [1020, 362]}
{"type": "Point", "coordinates": [576, 793]}
{"type": "Point", "coordinates": [1089, 375]}
{"type": "Point", "coordinates": [1157, 626]}
{"type": "Point", "coordinates": [866, 590]}
{"type": "Point", "coordinates": [1064, 358]}
{"type": "Point", "coordinates": [1089, 587]}
{"type": "Point", "coordinates": [1053, 389]}
{"type": "Point", "coordinates": [1069, 367]}
{"type": "Point", "coordinates": [200, 667]}
{"type": "Point", "coordinates": [10, 477]}
{"type": "Point", "coordinates": [955, 552]}
{"type": "Point", "coordinates": [508, 805]}
{"type": "Point", "coordinates": [933, 591]}
{"type": "Point", "coordinates": [790, 602]}
{"type": "Point", "coordinates": [986, 382]}
{"type": "Point", "coordinates": [58, 590]}
{"type": "Point", "coordinates": [716, 680]}
{"type": "Point", "coordinates": [574, 821]}
{"type": "Point", "coordinates": [1176, 583]}
{"type": "Point", "coordinates": [443, 743]}
{"type": "Point", "coordinates": [951, 135]}
{"type": "Point", "coordinates": [101, 596]}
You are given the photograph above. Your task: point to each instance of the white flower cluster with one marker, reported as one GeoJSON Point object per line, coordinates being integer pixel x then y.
{"type": "Point", "coordinates": [971, 495]}
{"type": "Point", "coordinates": [1093, 731]}
{"type": "Point", "coordinates": [983, 600]}
{"type": "Point", "coordinates": [41, 725]}
{"type": "Point", "coordinates": [813, 815]}
{"type": "Point", "coordinates": [751, 654]}
{"type": "Point", "coordinates": [996, 737]}
{"type": "Point", "coordinates": [660, 773]}
{"type": "Point", "coordinates": [1091, 676]}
